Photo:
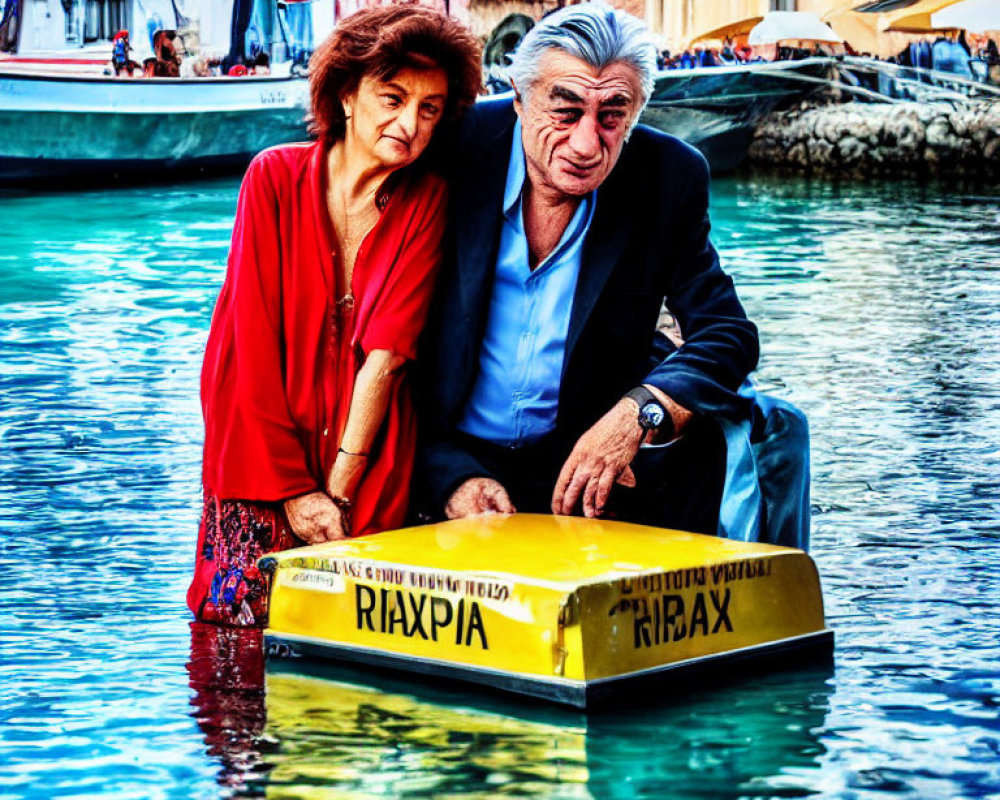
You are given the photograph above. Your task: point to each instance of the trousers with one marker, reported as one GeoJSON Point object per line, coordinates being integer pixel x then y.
{"type": "Point", "coordinates": [678, 485]}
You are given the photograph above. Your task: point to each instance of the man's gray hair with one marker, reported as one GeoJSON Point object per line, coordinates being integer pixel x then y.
{"type": "Point", "coordinates": [593, 32]}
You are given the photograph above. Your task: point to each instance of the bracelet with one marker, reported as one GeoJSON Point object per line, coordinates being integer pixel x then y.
{"type": "Point", "coordinates": [345, 509]}
{"type": "Point", "coordinates": [341, 502]}
{"type": "Point", "coordinates": [349, 453]}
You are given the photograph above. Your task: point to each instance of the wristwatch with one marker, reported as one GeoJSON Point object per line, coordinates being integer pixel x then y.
{"type": "Point", "coordinates": [652, 414]}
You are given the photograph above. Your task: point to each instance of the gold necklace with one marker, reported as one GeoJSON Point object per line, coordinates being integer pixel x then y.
{"type": "Point", "coordinates": [350, 230]}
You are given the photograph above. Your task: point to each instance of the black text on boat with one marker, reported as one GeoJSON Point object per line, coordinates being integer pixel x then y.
{"type": "Point", "coordinates": [418, 614]}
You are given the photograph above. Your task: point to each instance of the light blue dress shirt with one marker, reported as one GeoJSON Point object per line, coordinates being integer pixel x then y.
{"type": "Point", "coordinates": [516, 395]}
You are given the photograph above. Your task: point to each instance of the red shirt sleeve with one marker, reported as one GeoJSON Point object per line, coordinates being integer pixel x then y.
{"type": "Point", "coordinates": [399, 315]}
{"type": "Point", "coordinates": [252, 449]}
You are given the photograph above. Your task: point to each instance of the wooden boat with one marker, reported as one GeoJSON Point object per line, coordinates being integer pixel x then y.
{"type": "Point", "coordinates": [572, 610]}
{"type": "Point", "coordinates": [60, 126]}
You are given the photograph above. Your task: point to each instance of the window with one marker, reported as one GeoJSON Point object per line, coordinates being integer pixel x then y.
{"type": "Point", "coordinates": [74, 18]}
{"type": "Point", "coordinates": [104, 18]}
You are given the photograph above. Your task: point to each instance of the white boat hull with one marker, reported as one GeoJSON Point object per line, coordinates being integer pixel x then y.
{"type": "Point", "coordinates": [62, 126]}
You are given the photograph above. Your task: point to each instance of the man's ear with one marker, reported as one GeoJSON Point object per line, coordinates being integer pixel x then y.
{"type": "Point", "coordinates": [518, 102]}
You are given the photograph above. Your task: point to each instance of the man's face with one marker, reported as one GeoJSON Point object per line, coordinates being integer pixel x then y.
{"type": "Point", "coordinates": [575, 120]}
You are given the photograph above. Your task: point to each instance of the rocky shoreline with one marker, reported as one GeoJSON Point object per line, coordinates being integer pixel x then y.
{"type": "Point", "coordinates": [863, 139]}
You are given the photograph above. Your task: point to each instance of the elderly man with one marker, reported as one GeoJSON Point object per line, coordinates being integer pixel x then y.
{"type": "Point", "coordinates": [543, 385]}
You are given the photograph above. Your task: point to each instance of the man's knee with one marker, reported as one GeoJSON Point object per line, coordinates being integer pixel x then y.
{"type": "Point", "coordinates": [782, 454]}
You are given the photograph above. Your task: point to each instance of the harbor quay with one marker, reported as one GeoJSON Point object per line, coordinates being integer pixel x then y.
{"type": "Point", "coordinates": [908, 139]}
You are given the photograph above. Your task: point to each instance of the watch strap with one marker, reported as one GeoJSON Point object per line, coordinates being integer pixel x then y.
{"type": "Point", "coordinates": [642, 395]}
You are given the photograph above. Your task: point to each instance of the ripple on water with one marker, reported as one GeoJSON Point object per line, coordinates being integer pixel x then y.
{"type": "Point", "coordinates": [879, 316]}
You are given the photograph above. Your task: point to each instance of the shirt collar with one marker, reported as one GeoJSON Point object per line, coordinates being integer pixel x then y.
{"type": "Point", "coordinates": [516, 171]}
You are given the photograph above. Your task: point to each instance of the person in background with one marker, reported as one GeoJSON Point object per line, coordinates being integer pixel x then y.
{"type": "Point", "coordinates": [728, 55]}
{"type": "Point", "coordinates": [950, 54]}
{"type": "Point", "coordinates": [309, 428]}
{"type": "Point", "coordinates": [962, 39]}
{"type": "Point", "coordinates": [704, 57]}
{"type": "Point", "coordinates": [198, 67]}
{"type": "Point", "coordinates": [168, 62]}
{"type": "Point", "coordinates": [262, 64]}
{"type": "Point", "coordinates": [991, 54]}
{"type": "Point", "coordinates": [120, 55]}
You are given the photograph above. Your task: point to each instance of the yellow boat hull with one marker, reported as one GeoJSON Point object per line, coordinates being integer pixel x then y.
{"type": "Point", "coordinates": [564, 608]}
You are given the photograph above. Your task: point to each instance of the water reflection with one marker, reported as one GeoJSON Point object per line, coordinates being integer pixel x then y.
{"type": "Point", "coordinates": [226, 672]}
{"type": "Point", "coordinates": [383, 738]}
{"type": "Point", "coordinates": [305, 727]}
{"type": "Point", "coordinates": [879, 307]}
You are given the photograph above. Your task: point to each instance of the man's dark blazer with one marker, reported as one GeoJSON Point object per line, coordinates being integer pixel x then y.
{"type": "Point", "coordinates": [648, 241]}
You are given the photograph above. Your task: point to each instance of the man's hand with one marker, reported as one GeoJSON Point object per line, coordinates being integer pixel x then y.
{"type": "Point", "coordinates": [478, 496]}
{"type": "Point", "coordinates": [600, 456]}
{"type": "Point", "coordinates": [315, 518]}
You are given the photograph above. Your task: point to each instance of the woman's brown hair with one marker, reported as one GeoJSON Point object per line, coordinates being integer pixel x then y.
{"type": "Point", "coordinates": [380, 41]}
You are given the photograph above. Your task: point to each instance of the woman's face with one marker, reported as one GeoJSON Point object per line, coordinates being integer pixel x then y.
{"type": "Point", "coordinates": [394, 120]}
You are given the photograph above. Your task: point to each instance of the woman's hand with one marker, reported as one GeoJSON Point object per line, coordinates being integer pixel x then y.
{"type": "Point", "coordinates": [315, 518]}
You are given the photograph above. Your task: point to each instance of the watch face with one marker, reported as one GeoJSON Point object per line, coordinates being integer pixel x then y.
{"type": "Point", "coordinates": [651, 415]}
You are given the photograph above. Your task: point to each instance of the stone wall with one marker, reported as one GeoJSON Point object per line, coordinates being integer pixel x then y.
{"type": "Point", "coordinates": [909, 139]}
{"type": "Point", "coordinates": [485, 15]}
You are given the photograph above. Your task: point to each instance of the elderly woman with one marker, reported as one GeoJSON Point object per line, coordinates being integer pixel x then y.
{"type": "Point", "coordinates": [309, 431]}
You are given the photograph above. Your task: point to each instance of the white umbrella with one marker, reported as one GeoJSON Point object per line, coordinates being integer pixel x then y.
{"type": "Point", "coordinates": [781, 26]}
{"type": "Point", "coordinates": [977, 16]}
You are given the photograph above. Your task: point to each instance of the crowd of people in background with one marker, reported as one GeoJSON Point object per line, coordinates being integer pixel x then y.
{"type": "Point", "coordinates": [166, 61]}
{"type": "Point", "coordinates": [953, 52]}
{"type": "Point", "coordinates": [259, 64]}
{"type": "Point", "coordinates": [730, 53]}
{"type": "Point", "coordinates": [698, 56]}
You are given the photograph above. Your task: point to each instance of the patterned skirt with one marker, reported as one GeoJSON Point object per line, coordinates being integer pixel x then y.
{"type": "Point", "coordinates": [227, 587]}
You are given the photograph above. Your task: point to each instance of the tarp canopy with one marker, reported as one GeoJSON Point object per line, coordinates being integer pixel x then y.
{"type": "Point", "coordinates": [730, 30]}
{"type": "Point", "coordinates": [977, 16]}
{"type": "Point", "coordinates": [864, 34]}
{"type": "Point", "coordinates": [783, 26]}
{"type": "Point", "coordinates": [917, 17]}
{"type": "Point", "coordinates": [883, 6]}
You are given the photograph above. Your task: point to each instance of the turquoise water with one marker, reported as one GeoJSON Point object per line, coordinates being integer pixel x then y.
{"type": "Point", "coordinates": [879, 307]}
